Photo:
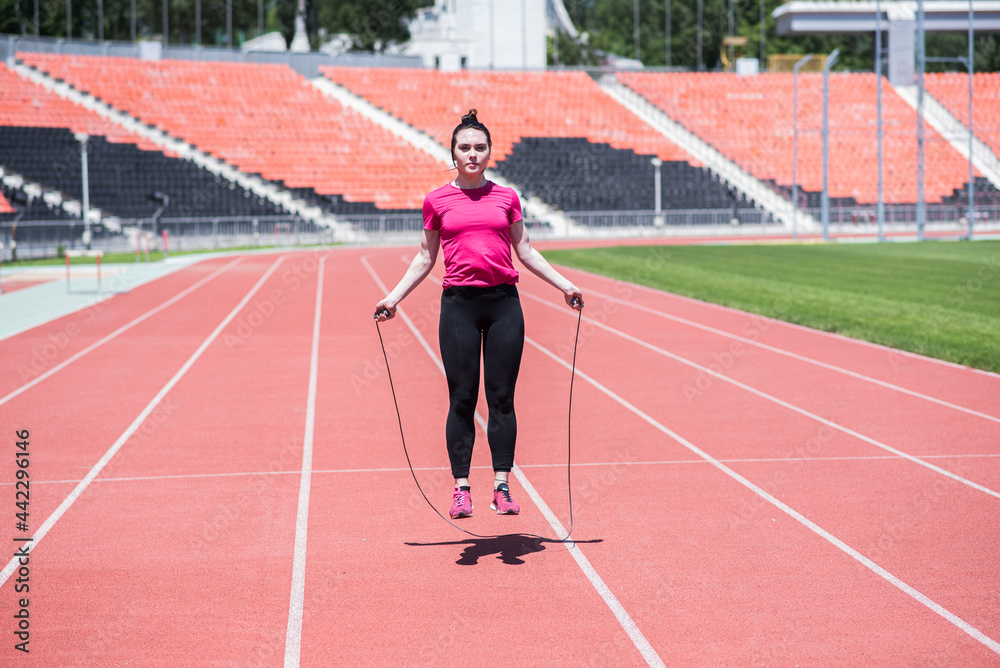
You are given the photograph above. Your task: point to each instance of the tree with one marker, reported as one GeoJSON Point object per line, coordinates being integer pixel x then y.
{"type": "Point", "coordinates": [610, 27]}
{"type": "Point", "coordinates": [374, 25]}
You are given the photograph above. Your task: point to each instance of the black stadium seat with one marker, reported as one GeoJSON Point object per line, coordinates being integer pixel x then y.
{"type": "Point", "coordinates": [122, 177]}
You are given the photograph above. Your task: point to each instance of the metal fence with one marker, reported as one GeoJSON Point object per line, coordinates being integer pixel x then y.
{"type": "Point", "coordinates": [40, 239]}
{"type": "Point", "coordinates": [906, 214]}
{"type": "Point", "coordinates": [44, 239]}
{"type": "Point", "coordinates": [670, 218]}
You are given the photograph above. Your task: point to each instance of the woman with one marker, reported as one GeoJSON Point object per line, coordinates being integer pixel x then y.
{"type": "Point", "coordinates": [476, 222]}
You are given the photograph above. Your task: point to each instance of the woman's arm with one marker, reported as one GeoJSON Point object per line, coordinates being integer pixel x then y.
{"type": "Point", "coordinates": [539, 266]}
{"type": "Point", "coordinates": [417, 271]}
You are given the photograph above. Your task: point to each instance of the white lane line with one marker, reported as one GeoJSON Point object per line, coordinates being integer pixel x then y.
{"type": "Point", "coordinates": [293, 634]}
{"type": "Point", "coordinates": [624, 619]}
{"type": "Point", "coordinates": [792, 325]}
{"type": "Point", "coordinates": [780, 402]}
{"type": "Point", "coordinates": [617, 609]}
{"type": "Point", "coordinates": [124, 328]}
{"type": "Point", "coordinates": [103, 461]}
{"type": "Point", "coordinates": [796, 356]}
{"type": "Point", "coordinates": [403, 469]}
{"type": "Point", "coordinates": [788, 510]}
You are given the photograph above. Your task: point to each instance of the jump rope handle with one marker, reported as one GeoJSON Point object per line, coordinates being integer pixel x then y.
{"type": "Point", "coordinates": [576, 301]}
{"type": "Point", "coordinates": [382, 311]}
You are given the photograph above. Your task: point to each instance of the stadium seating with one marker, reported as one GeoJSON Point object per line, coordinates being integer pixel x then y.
{"type": "Point", "coordinates": [26, 104]}
{"type": "Point", "coordinates": [122, 177]}
{"type": "Point", "coordinates": [573, 174]}
{"type": "Point", "coordinates": [558, 135]}
{"type": "Point", "coordinates": [750, 120]}
{"type": "Point", "coordinates": [37, 141]}
{"type": "Point", "coordinates": [262, 119]}
{"type": "Point", "coordinates": [512, 104]}
{"type": "Point", "coordinates": [951, 89]}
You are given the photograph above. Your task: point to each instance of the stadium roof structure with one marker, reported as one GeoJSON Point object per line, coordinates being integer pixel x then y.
{"type": "Point", "coordinates": [898, 20]}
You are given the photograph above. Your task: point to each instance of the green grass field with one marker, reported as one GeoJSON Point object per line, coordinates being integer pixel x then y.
{"type": "Point", "coordinates": [940, 299]}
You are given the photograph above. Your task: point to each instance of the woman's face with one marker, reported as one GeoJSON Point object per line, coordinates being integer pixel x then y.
{"type": "Point", "coordinates": [472, 153]}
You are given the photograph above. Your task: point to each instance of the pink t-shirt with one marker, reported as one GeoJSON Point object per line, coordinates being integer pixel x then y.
{"type": "Point", "coordinates": [475, 232]}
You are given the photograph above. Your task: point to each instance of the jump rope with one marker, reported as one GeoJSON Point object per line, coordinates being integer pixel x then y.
{"type": "Point", "coordinates": [569, 448]}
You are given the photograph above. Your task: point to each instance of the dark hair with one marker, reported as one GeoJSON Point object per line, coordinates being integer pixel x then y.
{"type": "Point", "coordinates": [469, 121]}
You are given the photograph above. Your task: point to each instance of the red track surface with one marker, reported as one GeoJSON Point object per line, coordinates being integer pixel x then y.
{"type": "Point", "coordinates": [744, 491]}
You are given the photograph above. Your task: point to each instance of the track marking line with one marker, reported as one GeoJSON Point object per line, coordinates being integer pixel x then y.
{"type": "Point", "coordinates": [781, 402]}
{"type": "Point", "coordinates": [293, 633]}
{"type": "Point", "coordinates": [788, 510]}
{"type": "Point", "coordinates": [124, 328]}
{"type": "Point", "coordinates": [624, 619]}
{"type": "Point", "coordinates": [796, 356]}
{"type": "Point", "coordinates": [132, 428]}
{"type": "Point", "coordinates": [812, 330]}
{"type": "Point", "coordinates": [402, 469]}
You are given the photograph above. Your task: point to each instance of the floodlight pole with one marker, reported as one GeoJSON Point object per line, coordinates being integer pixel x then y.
{"type": "Point", "coordinates": [972, 183]}
{"type": "Point", "coordinates": [968, 64]}
{"type": "Point", "coordinates": [83, 138]}
{"type": "Point", "coordinates": [729, 48]}
{"type": "Point", "coordinates": [880, 206]}
{"type": "Point", "coordinates": [657, 190]}
{"type": "Point", "coordinates": [795, 144]}
{"type": "Point", "coordinates": [698, 37]}
{"type": "Point", "coordinates": [762, 26]}
{"type": "Point", "coordinates": [825, 199]}
{"type": "Point", "coordinates": [921, 208]}
{"type": "Point", "coordinates": [635, 26]}
{"type": "Point", "coordinates": [666, 30]}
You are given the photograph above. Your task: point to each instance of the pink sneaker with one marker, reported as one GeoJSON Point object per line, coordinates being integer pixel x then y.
{"type": "Point", "coordinates": [502, 503]}
{"type": "Point", "coordinates": [461, 503]}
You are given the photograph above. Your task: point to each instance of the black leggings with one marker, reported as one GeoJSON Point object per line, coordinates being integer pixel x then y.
{"type": "Point", "coordinates": [470, 315]}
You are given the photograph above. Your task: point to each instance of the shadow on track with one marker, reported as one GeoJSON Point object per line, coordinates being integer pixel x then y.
{"type": "Point", "coordinates": [509, 548]}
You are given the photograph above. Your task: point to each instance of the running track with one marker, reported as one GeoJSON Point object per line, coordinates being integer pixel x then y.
{"type": "Point", "coordinates": [744, 491]}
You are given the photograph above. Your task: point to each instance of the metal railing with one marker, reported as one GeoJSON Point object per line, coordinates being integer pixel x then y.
{"type": "Point", "coordinates": [906, 214]}
{"type": "Point", "coordinates": [670, 218]}
{"type": "Point", "coordinates": [48, 238]}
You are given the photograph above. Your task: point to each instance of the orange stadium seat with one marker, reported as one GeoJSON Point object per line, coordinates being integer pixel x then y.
{"type": "Point", "coordinates": [26, 104]}
{"type": "Point", "coordinates": [261, 118]}
{"type": "Point", "coordinates": [36, 138]}
{"type": "Point", "coordinates": [556, 134]}
{"type": "Point", "coordinates": [512, 104]}
{"type": "Point", "coordinates": [750, 120]}
{"type": "Point", "coordinates": [952, 90]}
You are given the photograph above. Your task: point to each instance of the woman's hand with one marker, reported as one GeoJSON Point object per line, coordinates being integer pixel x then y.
{"type": "Point", "coordinates": [574, 298]}
{"type": "Point", "coordinates": [385, 310]}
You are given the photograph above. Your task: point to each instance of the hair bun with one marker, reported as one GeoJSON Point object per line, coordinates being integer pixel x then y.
{"type": "Point", "coordinates": [470, 117]}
